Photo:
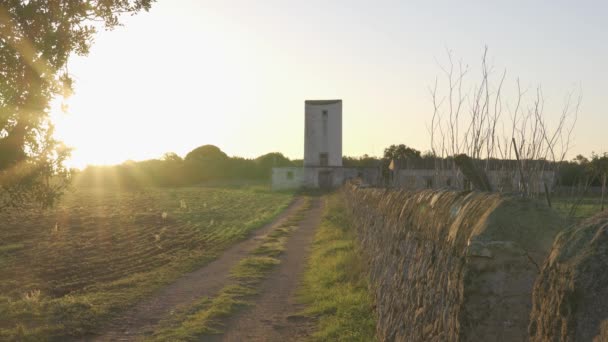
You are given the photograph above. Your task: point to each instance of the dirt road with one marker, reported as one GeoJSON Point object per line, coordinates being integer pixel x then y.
{"type": "Point", "coordinates": [206, 281]}
{"type": "Point", "coordinates": [271, 317]}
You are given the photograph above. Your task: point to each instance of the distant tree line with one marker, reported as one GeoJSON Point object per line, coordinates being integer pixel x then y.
{"type": "Point", "coordinates": [208, 164]}
{"type": "Point", "coordinates": [203, 164]}
{"type": "Point", "coordinates": [580, 171]}
{"type": "Point", "coordinates": [583, 171]}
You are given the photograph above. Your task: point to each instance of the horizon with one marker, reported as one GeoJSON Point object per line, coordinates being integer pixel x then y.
{"type": "Point", "coordinates": [240, 84]}
{"type": "Point", "coordinates": [287, 170]}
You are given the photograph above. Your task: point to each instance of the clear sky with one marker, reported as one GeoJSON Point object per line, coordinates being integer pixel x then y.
{"type": "Point", "coordinates": [236, 73]}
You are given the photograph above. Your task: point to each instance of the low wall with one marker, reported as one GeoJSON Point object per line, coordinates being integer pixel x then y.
{"type": "Point", "coordinates": [501, 181]}
{"type": "Point", "coordinates": [451, 266]}
{"type": "Point", "coordinates": [570, 301]}
{"type": "Point", "coordinates": [289, 177]}
{"type": "Point", "coordinates": [292, 177]}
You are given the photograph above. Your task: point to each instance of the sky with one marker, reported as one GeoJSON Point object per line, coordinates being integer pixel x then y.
{"type": "Point", "coordinates": [235, 74]}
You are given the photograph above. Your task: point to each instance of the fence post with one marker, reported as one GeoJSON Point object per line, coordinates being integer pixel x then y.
{"type": "Point", "coordinates": [547, 195]}
{"type": "Point", "coordinates": [603, 191]}
{"type": "Point", "coordinates": [521, 168]}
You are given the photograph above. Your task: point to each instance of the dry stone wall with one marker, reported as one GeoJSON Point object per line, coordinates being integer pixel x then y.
{"type": "Point", "coordinates": [451, 266]}
{"type": "Point", "coordinates": [570, 301]}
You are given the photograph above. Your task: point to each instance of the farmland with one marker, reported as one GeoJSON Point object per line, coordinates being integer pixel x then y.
{"type": "Point", "coordinates": [204, 316]}
{"type": "Point", "coordinates": [66, 271]}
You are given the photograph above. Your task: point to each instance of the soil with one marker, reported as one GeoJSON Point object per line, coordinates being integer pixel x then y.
{"type": "Point", "coordinates": [208, 280]}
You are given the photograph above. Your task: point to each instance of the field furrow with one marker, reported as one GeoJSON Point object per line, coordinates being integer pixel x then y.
{"type": "Point", "coordinates": [68, 270]}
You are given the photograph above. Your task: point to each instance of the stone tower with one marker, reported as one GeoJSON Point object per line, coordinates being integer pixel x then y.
{"type": "Point", "coordinates": [322, 152]}
{"type": "Point", "coordinates": [323, 133]}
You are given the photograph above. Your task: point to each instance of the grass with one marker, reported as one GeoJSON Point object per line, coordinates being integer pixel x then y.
{"type": "Point", "coordinates": [335, 288]}
{"type": "Point", "coordinates": [588, 206]}
{"type": "Point", "coordinates": [204, 317]}
{"type": "Point", "coordinates": [201, 317]}
{"type": "Point", "coordinates": [254, 267]}
{"type": "Point", "coordinates": [66, 271]}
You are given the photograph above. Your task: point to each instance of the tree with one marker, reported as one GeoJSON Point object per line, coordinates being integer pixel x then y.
{"type": "Point", "coordinates": [401, 152]}
{"type": "Point", "coordinates": [37, 37]}
{"type": "Point", "coordinates": [172, 157]}
{"type": "Point", "coordinates": [360, 162]}
{"type": "Point", "coordinates": [266, 162]}
{"type": "Point", "coordinates": [469, 118]}
{"type": "Point", "coordinates": [206, 153]}
{"type": "Point", "coordinates": [206, 163]}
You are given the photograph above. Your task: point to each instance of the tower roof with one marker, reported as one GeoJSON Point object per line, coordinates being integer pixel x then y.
{"type": "Point", "coordinates": [321, 102]}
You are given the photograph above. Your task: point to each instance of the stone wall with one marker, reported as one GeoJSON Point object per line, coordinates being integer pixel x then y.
{"type": "Point", "coordinates": [570, 301]}
{"type": "Point", "coordinates": [451, 266]}
{"type": "Point", "coordinates": [501, 181]}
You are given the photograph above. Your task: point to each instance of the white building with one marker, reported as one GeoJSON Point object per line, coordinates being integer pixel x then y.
{"type": "Point", "coordinates": [323, 133]}
{"type": "Point", "coordinates": [323, 162]}
{"type": "Point", "coordinates": [322, 151]}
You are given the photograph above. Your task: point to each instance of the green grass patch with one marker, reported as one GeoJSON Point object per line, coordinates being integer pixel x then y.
{"type": "Point", "coordinates": [204, 317]}
{"type": "Point", "coordinates": [583, 207]}
{"type": "Point", "coordinates": [335, 288]}
{"type": "Point", "coordinates": [253, 267]}
{"type": "Point", "coordinates": [67, 271]}
{"type": "Point", "coordinates": [11, 248]}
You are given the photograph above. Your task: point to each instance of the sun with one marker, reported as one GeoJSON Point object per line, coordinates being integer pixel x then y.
{"type": "Point", "coordinates": [88, 134]}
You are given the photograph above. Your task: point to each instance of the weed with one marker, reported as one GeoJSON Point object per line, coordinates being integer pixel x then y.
{"type": "Point", "coordinates": [202, 317]}
{"type": "Point", "coordinates": [253, 267]}
{"type": "Point", "coordinates": [335, 288]}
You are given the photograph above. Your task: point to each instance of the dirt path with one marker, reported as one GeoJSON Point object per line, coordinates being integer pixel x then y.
{"type": "Point", "coordinates": [271, 318]}
{"type": "Point", "coordinates": [206, 281]}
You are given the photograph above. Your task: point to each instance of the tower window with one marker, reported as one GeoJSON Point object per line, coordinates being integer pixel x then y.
{"type": "Point", "coordinates": [324, 113]}
{"type": "Point", "coordinates": [323, 159]}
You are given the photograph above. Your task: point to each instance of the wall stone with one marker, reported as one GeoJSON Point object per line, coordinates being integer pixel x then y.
{"type": "Point", "coordinates": [451, 266]}
{"type": "Point", "coordinates": [570, 301]}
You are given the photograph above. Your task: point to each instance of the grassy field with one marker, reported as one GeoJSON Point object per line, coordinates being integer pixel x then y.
{"type": "Point", "coordinates": [587, 207]}
{"type": "Point", "coordinates": [66, 271]}
{"type": "Point", "coordinates": [335, 288]}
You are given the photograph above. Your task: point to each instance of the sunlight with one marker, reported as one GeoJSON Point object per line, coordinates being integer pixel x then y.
{"type": "Point", "coordinates": [294, 170]}
{"type": "Point", "coordinates": [215, 80]}
{"type": "Point", "coordinates": [133, 110]}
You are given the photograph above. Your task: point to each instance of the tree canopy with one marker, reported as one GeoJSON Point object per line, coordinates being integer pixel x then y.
{"type": "Point", "coordinates": [37, 38]}
{"type": "Point", "coordinates": [273, 159]}
{"type": "Point", "coordinates": [206, 153]}
{"type": "Point", "coordinates": [205, 163]}
{"type": "Point", "coordinates": [584, 171]}
{"type": "Point", "coordinates": [401, 152]}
